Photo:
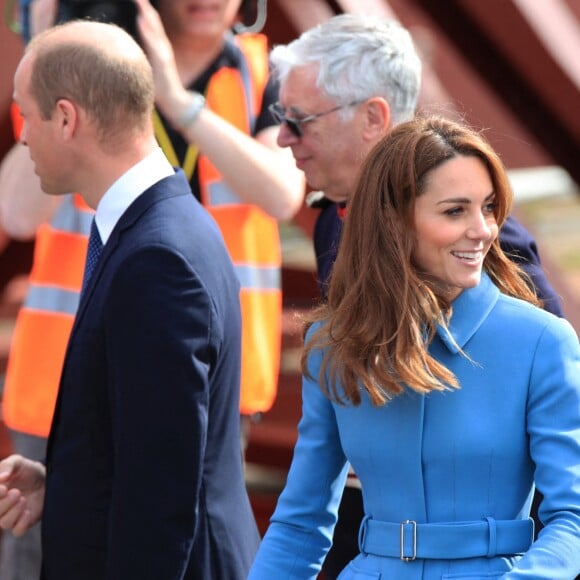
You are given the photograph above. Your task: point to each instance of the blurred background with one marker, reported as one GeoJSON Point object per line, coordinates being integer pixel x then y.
{"type": "Point", "coordinates": [509, 66]}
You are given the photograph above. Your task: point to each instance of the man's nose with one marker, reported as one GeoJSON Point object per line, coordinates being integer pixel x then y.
{"type": "Point", "coordinates": [286, 137]}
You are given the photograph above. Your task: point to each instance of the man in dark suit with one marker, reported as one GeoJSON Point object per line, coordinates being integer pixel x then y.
{"type": "Point", "coordinates": [143, 474]}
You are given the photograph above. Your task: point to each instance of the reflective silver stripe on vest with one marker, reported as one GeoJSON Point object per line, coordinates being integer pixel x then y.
{"type": "Point", "coordinates": [52, 299]}
{"type": "Point", "coordinates": [72, 219]}
{"type": "Point", "coordinates": [258, 278]}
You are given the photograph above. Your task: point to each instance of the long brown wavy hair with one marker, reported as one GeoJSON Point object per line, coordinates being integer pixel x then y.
{"type": "Point", "coordinates": [381, 313]}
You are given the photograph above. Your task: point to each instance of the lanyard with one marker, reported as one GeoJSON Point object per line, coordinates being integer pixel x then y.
{"type": "Point", "coordinates": [164, 141]}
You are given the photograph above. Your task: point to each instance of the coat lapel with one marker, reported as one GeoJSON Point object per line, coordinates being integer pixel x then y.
{"type": "Point", "coordinates": [470, 310]}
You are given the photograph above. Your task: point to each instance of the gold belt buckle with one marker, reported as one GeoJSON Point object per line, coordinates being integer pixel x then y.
{"type": "Point", "coordinates": [414, 556]}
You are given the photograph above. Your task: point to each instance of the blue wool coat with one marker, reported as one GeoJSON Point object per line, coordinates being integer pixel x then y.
{"type": "Point", "coordinates": [455, 456]}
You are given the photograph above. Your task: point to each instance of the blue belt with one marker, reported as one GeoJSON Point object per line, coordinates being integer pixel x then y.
{"type": "Point", "coordinates": [409, 540]}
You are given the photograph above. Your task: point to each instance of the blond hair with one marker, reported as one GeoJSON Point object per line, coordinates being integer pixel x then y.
{"type": "Point", "coordinates": [97, 66]}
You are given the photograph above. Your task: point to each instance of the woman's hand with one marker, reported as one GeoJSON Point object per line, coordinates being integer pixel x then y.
{"type": "Point", "coordinates": [170, 94]}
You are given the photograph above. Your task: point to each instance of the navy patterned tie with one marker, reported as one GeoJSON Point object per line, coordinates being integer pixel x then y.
{"type": "Point", "coordinates": [93, 253]}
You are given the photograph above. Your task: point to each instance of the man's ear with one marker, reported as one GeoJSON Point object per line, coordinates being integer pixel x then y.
{"type": "Point", "coordinates": [67, 116]}
{"type": "Point", "coordinates": [378, 118]}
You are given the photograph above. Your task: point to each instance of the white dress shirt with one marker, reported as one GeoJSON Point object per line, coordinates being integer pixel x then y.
{"type": "Point", "coordinates": [129, 187]}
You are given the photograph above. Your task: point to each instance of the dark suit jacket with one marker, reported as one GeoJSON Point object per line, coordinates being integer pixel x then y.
{"type": "Point", "coordinates": [514, 239]}
{"type": "Point", "coordinates": [144, 470]}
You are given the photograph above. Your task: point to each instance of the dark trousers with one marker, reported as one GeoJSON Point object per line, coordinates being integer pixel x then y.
{"type": "Point", "coordinates": [345, 540]}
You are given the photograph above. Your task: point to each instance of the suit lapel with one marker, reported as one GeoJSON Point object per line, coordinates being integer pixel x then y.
{"type": "Point", "coordinates": [172, 186]}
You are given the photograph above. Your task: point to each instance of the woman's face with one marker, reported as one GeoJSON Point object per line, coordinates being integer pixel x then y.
{"type": "Point", "coordinates": [455, 224]}
{"type": "Point", "coordinates": [201, 18]}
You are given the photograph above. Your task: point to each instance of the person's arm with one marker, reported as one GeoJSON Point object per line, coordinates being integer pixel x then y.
{"type": "Point", "coordinates": [23, 204]}
{"type": "Point", "coordinates": [36, 16]}
{"type": "Point", "coordinates": [553, 424]}
{"type": "Point", "coordinates": [260, 172]}
{"type": "Point", "coordinates": [21, 493]}
{"type": "Point", "coordinates": [521, 247]}
{"type": "Point", "coordinates": [326, 238]}
{"type": "Point", "coordinates": [158, 319]}
{"type": "Point", "coordinates": [300, 530]}
{"type": "Point", "coordinates": [42, 15]}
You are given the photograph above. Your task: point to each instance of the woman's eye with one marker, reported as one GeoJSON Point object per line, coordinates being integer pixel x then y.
{"type": "Point", "coordinates": [454, 211]}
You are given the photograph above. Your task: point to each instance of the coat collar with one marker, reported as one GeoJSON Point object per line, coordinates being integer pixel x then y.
{"type": "Point", "coordinates": [470, 310]}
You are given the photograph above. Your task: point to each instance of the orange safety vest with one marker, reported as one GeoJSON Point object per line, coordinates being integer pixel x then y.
{"type": "Point", "coordinates": [45, 320]}
{"type": "Point", "coordinates": [251, 236]}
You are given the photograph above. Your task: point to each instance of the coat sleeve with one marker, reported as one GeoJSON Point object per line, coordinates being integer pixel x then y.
{"type": "Point", "coordinates": [521, 247]}
{"type": "Point", "coordinates": [160, 347]}
{"type": "Point", "coordinates": [300, 531]}
{"type": "Point", "coordinates": [553, 419]}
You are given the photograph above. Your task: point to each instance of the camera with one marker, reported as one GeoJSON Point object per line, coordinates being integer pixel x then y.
{"type": "Point", "coordinates": [120, 12]}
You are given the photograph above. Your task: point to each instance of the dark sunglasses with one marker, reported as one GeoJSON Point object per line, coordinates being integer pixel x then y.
{"type": "Point", "coordinates": [295, 125]}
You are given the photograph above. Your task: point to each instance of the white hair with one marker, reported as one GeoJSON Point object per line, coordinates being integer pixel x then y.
{"type": "Point", "coordinates": [359, 57]}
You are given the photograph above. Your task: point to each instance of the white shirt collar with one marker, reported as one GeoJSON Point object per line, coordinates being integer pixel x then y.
{"type": "Point", "coordinates": [129, 187]}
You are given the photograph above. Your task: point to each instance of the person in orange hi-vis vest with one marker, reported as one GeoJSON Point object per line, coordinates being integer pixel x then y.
{"type": "Point", "coordinates": [43, 323]}
{"type": "Point", "coordinates": [213, 121]}
{"type": "Point", "coordinates": [213, 91]}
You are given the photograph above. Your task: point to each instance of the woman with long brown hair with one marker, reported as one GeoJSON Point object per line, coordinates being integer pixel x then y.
{"type": "Point", "coordinates": [432, 371]}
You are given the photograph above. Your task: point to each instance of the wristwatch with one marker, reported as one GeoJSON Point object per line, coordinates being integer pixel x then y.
{"type": "Point", "coordinates": [189, 116]}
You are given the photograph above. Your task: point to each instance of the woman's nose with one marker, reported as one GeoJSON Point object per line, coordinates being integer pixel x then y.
{"type": "Point", "coordinates": [481, 226]}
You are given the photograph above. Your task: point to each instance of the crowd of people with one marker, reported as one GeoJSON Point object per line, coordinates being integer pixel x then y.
{"type": "Point", "coordinates": [440, 432]}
